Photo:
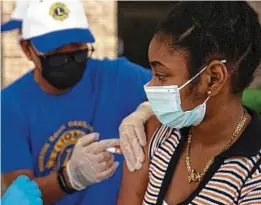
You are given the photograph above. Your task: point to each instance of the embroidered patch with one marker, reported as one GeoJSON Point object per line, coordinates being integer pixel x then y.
{"type": "Point", "coordinates": [59, 11]}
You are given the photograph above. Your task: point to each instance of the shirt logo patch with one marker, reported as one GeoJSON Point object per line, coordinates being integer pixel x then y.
{"type": "Point", "coordinates": [58, 150]}
{"type": "Point", "coordinates": [59, 11]}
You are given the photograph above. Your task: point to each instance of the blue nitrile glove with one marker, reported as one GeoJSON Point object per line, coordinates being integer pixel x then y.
{"type": "Point", "coordinates": [22, 191]}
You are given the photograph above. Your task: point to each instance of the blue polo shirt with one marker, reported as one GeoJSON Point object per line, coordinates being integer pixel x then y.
{"type": "Point", "coordinates": [39, 130]}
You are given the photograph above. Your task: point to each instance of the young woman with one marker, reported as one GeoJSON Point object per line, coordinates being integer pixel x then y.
{"type": "Point", "coordinates": [206, 147]}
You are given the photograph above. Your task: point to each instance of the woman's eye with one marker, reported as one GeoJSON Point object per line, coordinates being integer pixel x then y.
{"type": "Point", "coordinates": [161, 77]}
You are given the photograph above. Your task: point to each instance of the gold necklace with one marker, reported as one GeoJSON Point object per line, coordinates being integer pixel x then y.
{"type": "Point", "coordinates": [193, 175]}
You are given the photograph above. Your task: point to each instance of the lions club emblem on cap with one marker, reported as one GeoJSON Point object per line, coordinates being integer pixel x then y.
{"type": "Point", "coordinates": [59, 11]}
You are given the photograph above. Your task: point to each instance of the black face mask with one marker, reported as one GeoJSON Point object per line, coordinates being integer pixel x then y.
{"type": "Point", "coordinates": [64, 70]}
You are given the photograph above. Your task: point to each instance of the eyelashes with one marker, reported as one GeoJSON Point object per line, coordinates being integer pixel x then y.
{"type": "Point", "coordinates": [161, 77]}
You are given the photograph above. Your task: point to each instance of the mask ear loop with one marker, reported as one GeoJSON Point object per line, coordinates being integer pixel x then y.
{"type": "Point", "coordinates": [206, 100]}
{"type": "Point", "coordinates": [189, 81]}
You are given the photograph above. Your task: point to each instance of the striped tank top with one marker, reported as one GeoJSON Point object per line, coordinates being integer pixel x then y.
{"type": "Point", "coordinates": [233, 178]}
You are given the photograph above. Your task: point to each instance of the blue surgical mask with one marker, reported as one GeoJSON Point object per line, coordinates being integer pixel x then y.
{"type": "Point", "coordinates": [165, 102]}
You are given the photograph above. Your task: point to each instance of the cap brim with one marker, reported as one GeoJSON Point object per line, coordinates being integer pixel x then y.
{"type": "Point", "coordinates": [54, 40]}
{"type": "Point", "coordinates": [11, 25]}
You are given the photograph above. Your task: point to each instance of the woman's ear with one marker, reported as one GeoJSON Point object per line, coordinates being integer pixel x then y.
{"type": "Point", "coordinates": [25, 45]}
{"type": "Point", "coordinates": [217, 76]}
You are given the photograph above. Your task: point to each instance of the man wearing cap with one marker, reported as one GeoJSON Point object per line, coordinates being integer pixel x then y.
{"type": "Point", "coordinates": [50, 116]}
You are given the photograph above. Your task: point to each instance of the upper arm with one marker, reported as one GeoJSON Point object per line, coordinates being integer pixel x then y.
{"type": "Point", "coordinates": [251, 192]}
{"type": "Point", "coordinates": [14, 146]}
{"type": "Point", "coordinates": [134, 184]}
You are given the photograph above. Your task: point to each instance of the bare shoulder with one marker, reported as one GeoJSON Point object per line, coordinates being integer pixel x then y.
{"type": "Point", "coordinates": [151, 126]}
{"type": "Point", "coordinates": [134, 184]}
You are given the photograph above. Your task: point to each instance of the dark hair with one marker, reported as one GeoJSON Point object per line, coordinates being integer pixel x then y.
{"type": "Point", "coordinates": [208, 31]}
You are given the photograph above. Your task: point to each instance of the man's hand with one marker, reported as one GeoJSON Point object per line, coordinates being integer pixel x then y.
{"type": "Point", "coordinates": [133, 136]}
{"type": "Point", "coordinates": [90, 163]}
{"type": "Point", "coordinates": [22, 191]}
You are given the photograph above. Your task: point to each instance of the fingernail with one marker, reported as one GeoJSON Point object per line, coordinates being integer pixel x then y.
{"type": "Point", "coordinates": [97, 135]}
{"type": "Point", "coordinates": [131, 169]}
{"type": "Point", "coordinates": [138, 166]}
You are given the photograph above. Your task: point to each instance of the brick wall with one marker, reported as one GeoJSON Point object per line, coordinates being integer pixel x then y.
{"type": "Point", "coordinates": [101, 17]}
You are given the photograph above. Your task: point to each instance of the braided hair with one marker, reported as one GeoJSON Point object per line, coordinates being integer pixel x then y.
{"type": "Point", "coordinates": [211, 30]}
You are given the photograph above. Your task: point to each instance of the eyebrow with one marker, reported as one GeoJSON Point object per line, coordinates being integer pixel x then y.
{"type": "Point", "coordinates": [157, 63]}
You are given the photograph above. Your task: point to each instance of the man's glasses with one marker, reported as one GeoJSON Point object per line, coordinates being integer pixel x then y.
{"type": "Point", "coordinates": [60, 59]}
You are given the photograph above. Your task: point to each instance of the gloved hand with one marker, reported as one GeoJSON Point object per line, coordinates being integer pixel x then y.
{"type": "Point", "coordinates": [90, 163]}
{"type": "Point", "coordinates": [133, 136]}
{"type": "Point", "coordinates": [22, 191]}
